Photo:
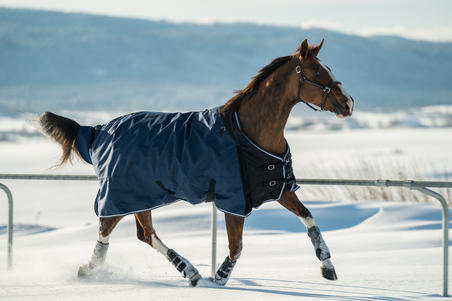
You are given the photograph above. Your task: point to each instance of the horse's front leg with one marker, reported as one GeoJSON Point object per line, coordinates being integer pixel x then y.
{"type": "Point", "coordinates": [234, 228]}
{"type": "Point", "coordinates": [291, 202]}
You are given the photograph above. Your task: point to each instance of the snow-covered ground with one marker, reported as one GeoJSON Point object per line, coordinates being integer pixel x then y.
{"type": "Point", "coordinates": [381, 250]}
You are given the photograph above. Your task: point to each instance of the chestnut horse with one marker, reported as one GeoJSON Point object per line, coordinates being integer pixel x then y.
{"type": "Point", "coordinates": [263, 108]}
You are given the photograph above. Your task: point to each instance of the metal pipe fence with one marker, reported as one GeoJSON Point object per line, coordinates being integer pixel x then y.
{"type": "Point", "coordinates": [10, 198]}
{"type": "Point", "coordinates": [421, 186]}
{"type": "Point", "coordinates": [414, 185]}
{"type": "Point", "coordinates": [10, 224]}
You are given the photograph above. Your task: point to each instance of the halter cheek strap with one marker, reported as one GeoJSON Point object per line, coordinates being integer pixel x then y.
{"type": "Point", "coordinates": [326, 89]}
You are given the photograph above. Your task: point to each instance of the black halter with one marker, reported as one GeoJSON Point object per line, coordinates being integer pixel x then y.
{"type": "Point", "coordinates": [326, 89]}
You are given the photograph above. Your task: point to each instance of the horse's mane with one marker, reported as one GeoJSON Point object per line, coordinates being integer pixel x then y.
{"type": "Point", "coordinates": [253, 85]}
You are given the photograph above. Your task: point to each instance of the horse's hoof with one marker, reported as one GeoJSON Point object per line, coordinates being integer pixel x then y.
{"type": "Point", "coordinates": [224, 272]}
{"type": "Point", "coordinates": [195, 279]}
{"type": "Point", "coordinates": [216, 281]}
{"type": "Point", "coordinates": [212, 279]}
{"type": "Point", "coordinates": [85, 271]}
{"type": "Point", "coordinates": [328, 273]}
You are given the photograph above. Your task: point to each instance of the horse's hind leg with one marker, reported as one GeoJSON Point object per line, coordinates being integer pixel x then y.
{"type": "Point", "coordinates": [106, 226]}
{"type": "Point", "coordinates": [290, 201]}
{"type": "Point", "coordinates": [146, 233]}
{"type": "Point", "coordinates": [234, 228]}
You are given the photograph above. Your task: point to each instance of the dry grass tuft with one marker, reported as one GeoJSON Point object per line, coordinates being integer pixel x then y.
{"type": "Point", "coordinates": [381, 168]}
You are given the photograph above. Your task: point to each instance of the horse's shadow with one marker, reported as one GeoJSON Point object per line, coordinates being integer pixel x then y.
{"type": "Point", "coordinates": [106, 276]}
{"type": "Point", "coordinates": [329, 291]}
{"type": "Point", "coordinates": [272, 286]}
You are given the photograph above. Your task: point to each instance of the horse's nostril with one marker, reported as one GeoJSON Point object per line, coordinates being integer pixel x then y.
{"type": "Point", "coordinates": [347, 108]}
{"type": "Point", "coordinates": [349, 104]}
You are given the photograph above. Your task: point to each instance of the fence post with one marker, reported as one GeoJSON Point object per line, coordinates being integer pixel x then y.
{"type": "Point", "coordinates": [445, 208]}
{"type": "Point", "coordinates": [10, 224]}
{"type": "Point", "coordinates": [214, 240]}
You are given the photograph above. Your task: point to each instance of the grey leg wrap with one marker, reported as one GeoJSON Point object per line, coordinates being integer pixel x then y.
{"type": "Point", "coordinates": [97, 260]}
{"type": "Point", "coordinates": [224, 271]}
{"type": "Point", "coordinates": [323, 253]}
{"type": "Point", "coordinates": [184, 267]}
{"type": "Point", "coordinates": [321, 249]}
{"type": "Point", "coordinates": [99, 253]}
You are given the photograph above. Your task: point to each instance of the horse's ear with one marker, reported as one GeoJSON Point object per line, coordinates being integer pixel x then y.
{"type": "Point", "coordinates": [304, 49]}
{"type": "Point", "coordinates": [316, 49]}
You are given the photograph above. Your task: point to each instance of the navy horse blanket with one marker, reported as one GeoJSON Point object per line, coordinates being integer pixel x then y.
{"type": "Point", "coordinates": [145, 160]}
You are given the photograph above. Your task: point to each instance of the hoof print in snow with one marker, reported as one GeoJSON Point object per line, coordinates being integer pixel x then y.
{"type": "Point", "coordinates": [327, 273]}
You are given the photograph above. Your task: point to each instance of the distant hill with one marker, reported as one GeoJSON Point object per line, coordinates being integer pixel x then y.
{"type": "Point", "coordinates": [52, 60]}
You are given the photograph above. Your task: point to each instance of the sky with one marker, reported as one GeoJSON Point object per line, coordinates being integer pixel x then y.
{"type": "Point", "coordinates": [416, 19]}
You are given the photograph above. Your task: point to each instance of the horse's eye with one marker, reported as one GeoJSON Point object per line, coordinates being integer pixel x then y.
{"type": "Point", "coordinates": [317, 73]}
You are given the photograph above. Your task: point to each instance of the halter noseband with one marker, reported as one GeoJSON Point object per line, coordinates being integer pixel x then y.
{"type": "Point", "coordinates": [326, 89]}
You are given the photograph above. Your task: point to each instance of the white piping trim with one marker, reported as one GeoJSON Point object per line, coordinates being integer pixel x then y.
{"type": "Point", "coordinates": [235, 214]}
{"type": "Point", "coordinates": [137, 211]}
{"type": "Point", "coordinates": [282, 159]}
{"type": "Point", "coordinates": [287, 150]}
{"type": "Point", "coordinates": [294, 187]}
{"type": "Point", "coordinates": [237, 120]}
{"type": "Point", "coordinates": [274, 200]}
{"type": "Point", "coordinates": [266, 201]}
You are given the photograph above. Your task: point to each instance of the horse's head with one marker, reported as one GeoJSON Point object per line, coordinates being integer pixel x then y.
{"type": "Point", "coordinates": [317, 84]}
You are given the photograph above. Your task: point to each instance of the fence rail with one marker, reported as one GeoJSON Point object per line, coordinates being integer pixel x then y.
{"type": "Point", "coordinates": [48, 177]}
{"type": "Point", "coordinates": [377, 183]}
{"type": "Point", "coordinates": [422, 186]}
{"type": "Point", "coordinates": [9, 195]}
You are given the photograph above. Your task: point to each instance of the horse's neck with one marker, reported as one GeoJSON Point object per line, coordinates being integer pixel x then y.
{"type": "Point", "coordinates": [263, 115]}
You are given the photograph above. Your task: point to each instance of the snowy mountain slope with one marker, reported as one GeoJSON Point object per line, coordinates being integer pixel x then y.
{"type": "Point", "coordinates": [51, 60]}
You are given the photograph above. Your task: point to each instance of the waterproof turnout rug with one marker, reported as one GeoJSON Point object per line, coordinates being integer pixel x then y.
{"type": "Point", "coordinates": [145, 160]}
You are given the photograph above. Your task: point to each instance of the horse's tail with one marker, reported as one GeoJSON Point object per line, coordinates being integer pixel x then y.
{"type": "Point", "coordinates": [64, 131]}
